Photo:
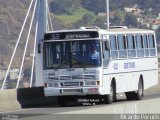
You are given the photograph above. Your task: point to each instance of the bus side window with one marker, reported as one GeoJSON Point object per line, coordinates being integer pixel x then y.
{"type": "Point", "coordinates": [139, 45]}
{"type": "Point", "coordinates": [122, 46]}
{"type": "Point", "coordinates": [152, 49]}
{"type": "Point", "coordinates": [145, 43]}
{"type": "Point", "coordinates": [106, 53]}
{"type": "Point", "coordinates": [131, 46]}
{"type": "Point", "coordinates": [113, 46]}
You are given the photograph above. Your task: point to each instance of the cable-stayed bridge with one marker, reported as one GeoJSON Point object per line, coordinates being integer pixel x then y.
{"type": "Point", "coordinates": [18, 98]}
{"type": "Point", "coordinates": [40, 22]}
{"type": "Point", "coordinates": [38, 15]}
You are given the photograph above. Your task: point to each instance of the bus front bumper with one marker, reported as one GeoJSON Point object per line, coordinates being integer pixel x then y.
{"type": "Point", "coordinates": [71, 91]}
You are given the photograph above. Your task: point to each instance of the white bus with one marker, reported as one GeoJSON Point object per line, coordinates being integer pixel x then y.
{"type": "Point", "coordinates": [96, 62]}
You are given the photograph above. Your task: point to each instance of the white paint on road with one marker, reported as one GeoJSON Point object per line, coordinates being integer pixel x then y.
{"type": "Point", "coordinates": [150, 106]}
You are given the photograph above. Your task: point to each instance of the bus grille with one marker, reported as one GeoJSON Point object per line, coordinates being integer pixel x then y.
{"type": "Point", "coordinates": [74, 77]}
{"type": "Point", "coordinates": [70, 84]}
{"type": "Point", "coordinates": [77, 77]}
{"type": "Point", "coordinates": [65, 77]}
{"type": "Point", "coordinates": [90, 77]}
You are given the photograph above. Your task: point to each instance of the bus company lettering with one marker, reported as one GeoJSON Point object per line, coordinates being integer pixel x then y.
{"type": "Point", "coordinates": [77, 35]}
{"type": "Point", "coordinates": [129, 65]}
{"type": "Point", "coordinates": [115, 66]}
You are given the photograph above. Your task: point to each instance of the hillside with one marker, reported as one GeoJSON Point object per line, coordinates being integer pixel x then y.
{"type": "Point", "coordinates": [74, 13]}
{"type": "Point", "coordinates": [12, 14]}
{"type": "Point", "coordinates": [66, 14]}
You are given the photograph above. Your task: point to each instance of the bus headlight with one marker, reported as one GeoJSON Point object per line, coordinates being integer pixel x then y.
{"type": "Point", "coordinates": [90, 83]}
{"type": "Point", "coordinates": [53, 84]}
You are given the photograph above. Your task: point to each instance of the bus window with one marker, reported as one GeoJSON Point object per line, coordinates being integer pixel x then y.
{"type": "Point", "coordinates": [152, 49]}
{"type": "Point", "coordinates": [145, 42]}
{"type": "Point", "coordinates": [106, 54]}
{"type": "Point", "coordinates": [56, 54]}
{"type": "Point", "coordinates": [139, 45]}
{"type": "Point", "coordinates": [113, 44]}
{"type": "Point", "coordinates": [122, 46]}
{"type": "Point", "coordinates": [131, 46]}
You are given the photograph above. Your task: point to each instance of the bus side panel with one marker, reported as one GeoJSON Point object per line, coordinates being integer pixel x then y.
{"type": "Point", "coordinates": [127, 73]}
{"type": "Point", "coordinates": [149, 67]}
{"type": "Point", "coordinates": [126, 82]}
{"type": "Point", "coordinates": [106, 83]}
{"type": "Point", "coordinates": [150, 78]}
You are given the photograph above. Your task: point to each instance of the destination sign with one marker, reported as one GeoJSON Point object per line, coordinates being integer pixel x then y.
{"type": "Point", "coordinates": [77, 35]}
{"type": "Point", "coordinates": [71, 35]}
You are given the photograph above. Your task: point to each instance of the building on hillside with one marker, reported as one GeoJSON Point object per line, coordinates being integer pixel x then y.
{"type": "Point", "coordinates": [147, 24]}
{"type": "Point", "coordinates": [133, 10]}
{"type": "Point", "coordinates": [158, 16]}
{"type": "Point", "coordinates": [155, 24]}
{"type": "Point", "coordinates": [136, 12]}
{"type": "Point", "coordinates": [140, 20]}
{"type": "Point", "coordinates": [103, 14]}
{"type": "Point", "coordinates": [128, 9]}
{"type": "Point", "coordinates": [2, 74]}
{"type": "Point", "coordinates": [13, 74]}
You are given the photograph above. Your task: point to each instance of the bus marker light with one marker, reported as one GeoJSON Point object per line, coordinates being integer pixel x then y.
{"type": "Point", "coordinates": [92, 89]}
{"type": "Point", "coordinates": [45, 85]}
{"type": "Point", "coordinates": [98, 82]}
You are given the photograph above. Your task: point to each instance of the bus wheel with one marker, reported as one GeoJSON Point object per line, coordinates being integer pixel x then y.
{"type": "Point", "coordinates": [136, 95]}
{"type": "Point", "coordinates": [139, 93]}
{"type": "Point", "coordinates": [62, 101]}
{"type": "Point", "coordinates": [112, 96]}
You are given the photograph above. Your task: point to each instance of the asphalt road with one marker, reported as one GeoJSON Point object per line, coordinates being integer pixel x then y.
{"type": "Point", "coordinates": [149, 105]}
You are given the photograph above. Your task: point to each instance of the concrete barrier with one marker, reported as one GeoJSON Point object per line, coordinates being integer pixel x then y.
{"type": "Point", "coordinates": [24, 98]}
{"type": "Point", "coordinates": [8, 100]}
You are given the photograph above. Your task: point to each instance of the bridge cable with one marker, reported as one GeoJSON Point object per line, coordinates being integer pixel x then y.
{"type": "Point", "coordinates": [34, 49]}
{"type": "Point", "coordinates": [26, 45]}
{"type": "Point", "coordinates": [10, 63]}
{"type": "Point", "coordinates": [49, 14]}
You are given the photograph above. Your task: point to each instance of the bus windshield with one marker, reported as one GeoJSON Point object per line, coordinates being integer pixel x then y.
{"type": "Point", "coordinates": [72, 54]}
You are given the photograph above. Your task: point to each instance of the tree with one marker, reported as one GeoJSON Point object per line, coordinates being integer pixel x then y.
{"type": "Point", "coordinates": [100, 22]}
{"type": "Point", "coordinates": [131, 20]}
{"type": "Point", "coordinates": [94, 5]}
{"type": "Point", "coordinates": [116, 21]}
{"type": "Point", "coordinates": [86, 20]}
{"type": "Point", "coordinates": [64, 6]}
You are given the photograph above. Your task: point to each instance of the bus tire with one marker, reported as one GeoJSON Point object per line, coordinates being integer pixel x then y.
{"type": "Point", "coordinates": [136, 95]}
{"type": "Point", "coordinates": [139, 93]}
{"type": "Point", "coordinates": [108, 99]}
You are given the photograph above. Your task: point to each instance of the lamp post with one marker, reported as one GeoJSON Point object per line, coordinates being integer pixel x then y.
{"type": "Point", "coordinates": [107, 12]}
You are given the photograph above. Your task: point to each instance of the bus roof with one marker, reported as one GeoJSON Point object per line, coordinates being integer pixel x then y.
{"type": "Point", "coordinates": [109, 31]}
{"type": "Point", "coordinates": [129, 30]}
